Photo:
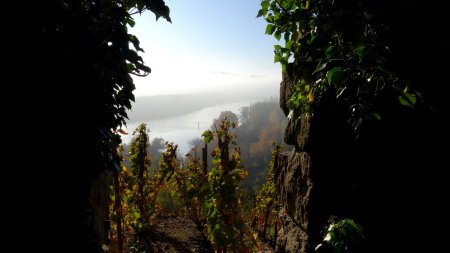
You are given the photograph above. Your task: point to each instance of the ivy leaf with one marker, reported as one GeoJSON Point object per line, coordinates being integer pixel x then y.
{"type": "Point", "coordinates": [322, 64]}
{"type": "Point", "coordinates": [362, 52]}
{"type": "Point", "coordinates": [261, 13]}
{"type": "Point", "coordinates": [270, 29]}
{"type": "Point", "coordinates": [408, 99]}
{"type": "Point", "coordinates": [336, 76]}
{"type": "Point", "coordinates": [331, 52]}
{"type": "Point", "coordinates": [159, 9]}
{"type": "Point", "coordinates": [133, 39]}
{"type": "Point", "coordinates": [277, 35]}
{"type": "Point", "coordinates": [207, 136]}
{"type": "Point", "coordinates": [131, 22]}
{"type": "Point", "coordinates": [289, 44]}
{"type": "Point", "coordinates": [265, 4]}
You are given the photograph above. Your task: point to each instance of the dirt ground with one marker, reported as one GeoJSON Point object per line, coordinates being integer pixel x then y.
{"type": "Point", "coordinates": [179, 235]}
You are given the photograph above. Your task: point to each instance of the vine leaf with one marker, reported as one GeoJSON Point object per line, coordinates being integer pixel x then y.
{"type": "Point", "coordinates": [207, 136]}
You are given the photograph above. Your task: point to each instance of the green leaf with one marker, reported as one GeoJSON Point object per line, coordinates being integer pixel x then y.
{"type": "Point", "coordinates": [408, 99]}
{"type": "Point", "coordinates": [265, 4]}
{"type": "Point", "coordinates": [362, 52]}
{"type": "Point", "coordinates": [312, 39]}
{"type": "Point", "coordinates": [289, 44]}
{"type": "Point", "coordinates": [277, 35]}
{"type": "Point", "coordinates": [331, 52]}
{"type": "Point", "coordinates": [322, 64]}
{"type": "Point", "coordinates": [207, 136]}
{"type": "Point", "coordinates": [130, 67]}
{"type": "Point", "coordinates": [261, 13]}
{"type": "Point", "coordinates": [276, 17]}
{"type": "Point", "coordinates": [376, 115]}
{"type": "Point", "coordinates": [270, 29]}
{"type": "Point", "coordinates": [136, 214]}
{"type": "Point", "coordinates": [131, 22]}
{"type": "Point", "coordinates": [214, 214]}
{"type": "Point", "coordinates": [276, 58]}
{"type": "Point", "coordinates": [336, 76]}
{"type": "Point", "coordinates": [307, 88]}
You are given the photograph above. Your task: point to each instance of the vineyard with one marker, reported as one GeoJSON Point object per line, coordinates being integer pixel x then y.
{"type": "Point", "coordinates": [209, 198]}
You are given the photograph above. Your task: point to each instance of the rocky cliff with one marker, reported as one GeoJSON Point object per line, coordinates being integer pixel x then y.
{"type": "Point", "coordinates": [390, 178]}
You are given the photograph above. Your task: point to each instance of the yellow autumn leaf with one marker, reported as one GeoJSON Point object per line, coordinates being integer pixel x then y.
{"type": "Point", "coordinates": [310, 98]}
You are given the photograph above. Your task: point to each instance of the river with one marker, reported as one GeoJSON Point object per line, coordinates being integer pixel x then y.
{"type": "Point", "coordinates": [181, 129]}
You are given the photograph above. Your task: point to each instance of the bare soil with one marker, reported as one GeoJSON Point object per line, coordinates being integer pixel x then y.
{"type": "Point", "coordinates": [176, 235]}
{"type": "Point", "coordinates": [179, 235]}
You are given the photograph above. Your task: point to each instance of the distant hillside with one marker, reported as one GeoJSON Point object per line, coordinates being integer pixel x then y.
{"type": "Point", "coordinates": [260, 124]}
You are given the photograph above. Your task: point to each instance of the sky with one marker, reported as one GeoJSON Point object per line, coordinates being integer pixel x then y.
{"type": "Point", "coordinates": [211, 46]}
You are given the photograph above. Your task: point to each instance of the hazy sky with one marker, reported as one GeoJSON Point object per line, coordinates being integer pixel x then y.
{"type": "Point", "coordinates": [211, 46]}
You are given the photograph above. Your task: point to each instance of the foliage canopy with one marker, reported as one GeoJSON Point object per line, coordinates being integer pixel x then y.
{"type": "Point", "coordinates": [92, 57]}
{"type": "Point", "coordinates": [81, 57]}
{"type": "Point", "coordinates": [358, 53]}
